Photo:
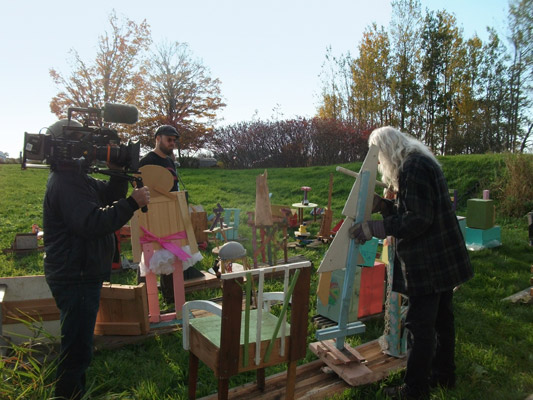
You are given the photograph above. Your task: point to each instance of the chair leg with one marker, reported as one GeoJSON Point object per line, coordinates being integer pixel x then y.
{"type": "Point", "coordinates": [261, 379]}
{"type": "Point", "coordinates": [223, 388]}
{"type": "Point", "coordinates": [193, 375]}
{"type": "Point", "coordinates": [291, 380]}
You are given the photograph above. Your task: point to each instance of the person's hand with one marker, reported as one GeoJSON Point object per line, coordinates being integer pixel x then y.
{"type": "Point", "coordinates": [366, 230]}
{"type": "Point", "coordinates": [141, 196]}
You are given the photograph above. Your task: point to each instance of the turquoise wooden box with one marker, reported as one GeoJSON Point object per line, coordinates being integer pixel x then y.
{"type": "Point", "coordinates": [367, 297]}
{"type": "Point", "coordinates": [483, 237]}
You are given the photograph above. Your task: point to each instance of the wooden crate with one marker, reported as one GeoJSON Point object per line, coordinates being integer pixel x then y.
{"type": "Point", "coordinates": [123, 310]}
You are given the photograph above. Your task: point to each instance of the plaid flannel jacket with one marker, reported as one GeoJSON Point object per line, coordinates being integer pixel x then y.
{"type": "Point", "coordinates": [431, 255]}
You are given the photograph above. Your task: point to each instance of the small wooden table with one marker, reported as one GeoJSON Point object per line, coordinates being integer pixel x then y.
{"type": "Point", "coordinates": [300, 206]}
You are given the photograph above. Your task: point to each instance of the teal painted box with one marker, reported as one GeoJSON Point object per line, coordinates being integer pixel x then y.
{"type": "Point", "coordinates": [482, 238]}
{"type": "Point", "coordinates": [367, 298]}
{"type": "Point", "coordinates": [479, 213]}
{"type": "Point", "coordinates": [332, 310]}
{"type": "Point", "coordinates": [368, 252]}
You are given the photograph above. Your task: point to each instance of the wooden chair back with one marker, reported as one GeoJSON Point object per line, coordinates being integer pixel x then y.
{"type": "Point", "coordinates": [250, 339]}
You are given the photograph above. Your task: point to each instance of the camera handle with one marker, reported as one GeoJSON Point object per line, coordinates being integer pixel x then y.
{"type": "Point", "coordinates": [137, 179]}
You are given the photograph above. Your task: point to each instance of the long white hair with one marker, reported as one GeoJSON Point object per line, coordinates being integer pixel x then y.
{"type": "Point", "coordinates": [394, 148]}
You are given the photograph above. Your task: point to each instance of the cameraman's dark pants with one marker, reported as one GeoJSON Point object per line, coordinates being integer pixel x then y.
{"type": "Point", "coordinates": [430, 325]}
{"type": "Point", "coordinates": [78, 305]}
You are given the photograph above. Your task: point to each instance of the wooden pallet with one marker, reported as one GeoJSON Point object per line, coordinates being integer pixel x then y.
{"type": "Point", "coordinates": [376, 364]}
{"type": "Point", "coordinates": [311, 383]}
{"type": "Point", "coordinates": [316, 380]}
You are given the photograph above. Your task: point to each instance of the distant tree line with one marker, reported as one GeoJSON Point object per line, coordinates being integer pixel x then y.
{"type": "Point", "coordinates": [289, 143]}
{"type": "Point", "coordinates": [457, 95]}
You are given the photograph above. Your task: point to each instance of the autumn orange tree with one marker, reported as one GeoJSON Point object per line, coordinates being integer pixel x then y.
{"type": "Point", "coordinates": [166, 85]}
{"type": "Point", "coordinates": [114, 76]}
{"type": "Point", "coordinates": [180, 92]}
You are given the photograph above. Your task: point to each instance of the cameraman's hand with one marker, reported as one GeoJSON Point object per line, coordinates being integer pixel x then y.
{"type": "Point", "coordinates": [141, 196]}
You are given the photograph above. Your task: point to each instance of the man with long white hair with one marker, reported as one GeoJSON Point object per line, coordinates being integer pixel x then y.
{"type": "Point", "coordinates": [430, 260]}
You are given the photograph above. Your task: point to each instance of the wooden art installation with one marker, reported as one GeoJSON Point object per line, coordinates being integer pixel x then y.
{"type": "Point", "coordinates": [166, 225]}
{"type": "Point", "coordinates": [218, 232]}
{"type": "Point", "coordinates": [345, 253]}
{"type": "Point", "coordinates": [269, 219]}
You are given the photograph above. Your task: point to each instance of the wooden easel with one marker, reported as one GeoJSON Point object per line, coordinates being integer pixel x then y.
{"type": "Point", "coordinates": [344, 253]}
{"type": "Point", "coordinates": [346, 361]}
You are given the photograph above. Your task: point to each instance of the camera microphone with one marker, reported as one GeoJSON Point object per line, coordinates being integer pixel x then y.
{"type": "Point", "coordinates": [120, 113]}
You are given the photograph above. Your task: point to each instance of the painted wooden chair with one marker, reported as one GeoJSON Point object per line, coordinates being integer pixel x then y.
{"type": "Point", "coordinates": [233, 341]}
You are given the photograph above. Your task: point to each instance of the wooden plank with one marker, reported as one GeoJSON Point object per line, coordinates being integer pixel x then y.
{"type": "Point", "coordinates": [207, 281]}
{"type": "Point", "coordinates": [379, 365]}
{"type": "Point", "coordinates": [346, 356]}
{"type": "Point", "coordinates": [187, 224]}
{"type": "Point", "coordinates": [263, 210]}
{"type": "Point", "coordinates": [117, 328]}
{"type": "Point", "coordinates": [311, 383]}
{"type": "Point", "coordinates": [28, 310]}
{"type": "Point", "coordinates": [204, 349]}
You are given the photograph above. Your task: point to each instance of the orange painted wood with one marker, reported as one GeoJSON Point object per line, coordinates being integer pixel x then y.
{"type": "Point", "coordinates": [372, 289]}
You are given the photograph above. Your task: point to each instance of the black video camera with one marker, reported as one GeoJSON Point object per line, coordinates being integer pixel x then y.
{"type": "Point", "coordinates": [69, 143]}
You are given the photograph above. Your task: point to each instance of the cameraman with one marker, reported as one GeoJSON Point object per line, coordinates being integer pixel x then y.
{"type": "Point", "coordinates": [80, 216]}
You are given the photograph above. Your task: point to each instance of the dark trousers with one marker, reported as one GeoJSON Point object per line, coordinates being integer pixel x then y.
{"type": "Point", "coordinates": [431, 330]}
{"type": "Point", "coordinates": [78, 305]}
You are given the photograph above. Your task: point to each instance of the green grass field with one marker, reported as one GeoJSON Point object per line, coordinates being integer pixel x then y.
{"type": "Point", "coordinates": [494, 352]}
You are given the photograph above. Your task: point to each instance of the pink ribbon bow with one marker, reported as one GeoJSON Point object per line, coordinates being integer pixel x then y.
{"type": "Point", "coordinates": [166, 243]}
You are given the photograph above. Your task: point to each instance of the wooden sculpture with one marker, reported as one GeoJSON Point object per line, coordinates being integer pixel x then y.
{"type": "Point", "coordinates": [166, 224]}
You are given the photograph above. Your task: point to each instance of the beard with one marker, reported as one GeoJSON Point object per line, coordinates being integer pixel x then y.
{"type": "Point", "coordinates": [165, 149]}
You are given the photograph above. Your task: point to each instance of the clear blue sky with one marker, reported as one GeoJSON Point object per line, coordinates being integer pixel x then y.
{"type": "Point", "coordinates": [267, 54]}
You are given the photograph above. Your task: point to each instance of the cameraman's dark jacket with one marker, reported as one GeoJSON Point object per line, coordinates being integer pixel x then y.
{"type": "Point", "coordinates": [80, 215]}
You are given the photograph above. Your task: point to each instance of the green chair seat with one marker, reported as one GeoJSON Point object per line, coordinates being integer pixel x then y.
{"type": "Point", "coordinates": [210, 327]}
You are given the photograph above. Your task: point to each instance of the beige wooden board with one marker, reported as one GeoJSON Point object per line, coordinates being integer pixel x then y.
{"type": "Point", "coordinates": [263, 210]}
{"type": "Point", "coordinates": [370, 164]}
{"type": "Point", "coordinates": [155, 176]}
{"type": "Point", "coordinates": [336, 255]}
{"type": "Point", "coordinates": [164, 217]}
